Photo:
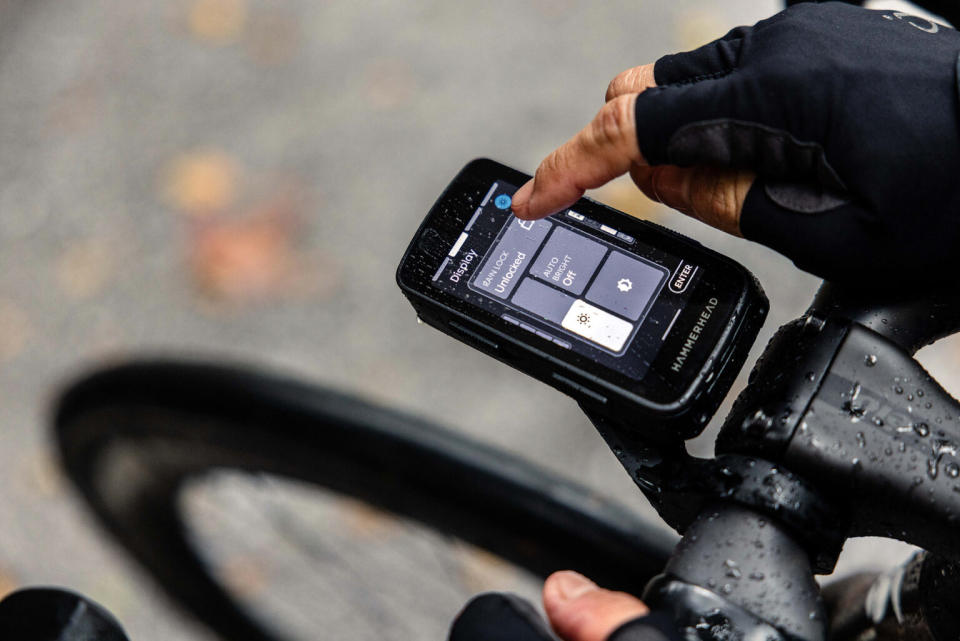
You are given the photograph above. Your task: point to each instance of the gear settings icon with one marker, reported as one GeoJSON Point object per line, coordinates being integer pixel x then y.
{"type": "Point", "coordinates": [624, 285]}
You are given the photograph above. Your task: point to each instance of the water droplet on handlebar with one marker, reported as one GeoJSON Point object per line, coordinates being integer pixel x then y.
{"type": "Point", "coordinates": [731, 569]}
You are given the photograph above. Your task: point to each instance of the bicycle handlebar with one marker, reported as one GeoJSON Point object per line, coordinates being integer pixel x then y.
{"type": "Point", "coordinates": [848, 435]}
{"type": "Point", "coordinates": [911, 320]}
{"type": "Point", "coordinates": [839, 433]}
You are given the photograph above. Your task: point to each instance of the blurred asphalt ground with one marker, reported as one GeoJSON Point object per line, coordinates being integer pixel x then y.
{"type": "Point", "coordinates": [237, 179]}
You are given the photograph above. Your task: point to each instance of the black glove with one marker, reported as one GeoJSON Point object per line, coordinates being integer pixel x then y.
{"type": "Point", "coordinates": [505, 617]}
{"type": "Point", "coordinates": [849, 117]}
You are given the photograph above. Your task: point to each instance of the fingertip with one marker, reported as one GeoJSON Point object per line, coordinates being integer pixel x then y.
{"type": "Point", "coordinates": [541, 203]}
{"type": "Point", "coordinates": [520, 203]}
{"type": "Point", "coordinates": [580, 610]}
{"type": "Point", "coordinates": [633, 80]}
{"type": "Point", "coordinates": [564, 586]}
{"type": "Point", "coordinates": [523, 213]}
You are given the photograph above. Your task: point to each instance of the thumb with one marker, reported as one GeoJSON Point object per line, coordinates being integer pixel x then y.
{"type": "Point", "coordinates": [713, 195]}
{"type": "Point", "coordinates": [579, 610]}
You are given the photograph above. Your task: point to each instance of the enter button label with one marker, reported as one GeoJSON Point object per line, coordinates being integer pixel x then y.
{"type": "Point", "coordinates": [682, 277]}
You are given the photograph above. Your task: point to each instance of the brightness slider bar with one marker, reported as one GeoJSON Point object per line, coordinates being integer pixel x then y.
{"type": "Point", "coordinates": [489, 193]}
{"type": "Point", "coordinates": [446, 261]}
{"type": "Point", "coordinates": [670, 326]}
{"type": "Point", "coordinates": [457, 245]}
{"type": "Point", "coordinates": [476, 215]}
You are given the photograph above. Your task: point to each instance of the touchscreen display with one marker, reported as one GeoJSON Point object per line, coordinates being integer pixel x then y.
{"type": "Point", "coordinates": [570, 280]}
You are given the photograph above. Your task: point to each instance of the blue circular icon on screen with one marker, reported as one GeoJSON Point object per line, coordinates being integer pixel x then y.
{"type": "Point", "coordinates": [502, 201]}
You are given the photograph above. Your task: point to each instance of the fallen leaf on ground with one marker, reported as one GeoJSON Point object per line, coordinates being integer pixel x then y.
{"type": "Point", "coordinates": [217, 21]}
{"type": "Point", "coordinates": [256, 256]}
{"type": "Point", "coordinates": [201, 182]}
{"type": "Point", "coordinates": [241, 260]}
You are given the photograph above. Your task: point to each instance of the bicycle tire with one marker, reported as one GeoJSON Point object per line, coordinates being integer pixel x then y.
{"type": "Point", "coordinates": [175, 421]}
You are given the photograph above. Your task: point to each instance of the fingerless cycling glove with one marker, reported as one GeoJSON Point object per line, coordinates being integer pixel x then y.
{"type": "Point", "coordinates": [850, 119]}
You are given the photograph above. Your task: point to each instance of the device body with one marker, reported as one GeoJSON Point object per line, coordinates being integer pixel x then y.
{"type": "Point", "coordinates": [628, 318]}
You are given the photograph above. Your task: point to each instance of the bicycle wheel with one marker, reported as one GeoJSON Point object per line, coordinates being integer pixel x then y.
{"type": "Point", "coordinates": [174, 457]}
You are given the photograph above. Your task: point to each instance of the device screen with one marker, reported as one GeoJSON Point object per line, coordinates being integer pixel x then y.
{"type": "Point", "coordinates": [582, 285]}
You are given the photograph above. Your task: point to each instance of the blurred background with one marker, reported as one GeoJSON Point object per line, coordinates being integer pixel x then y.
{"type": "Point", "coordinates": [236, 180]}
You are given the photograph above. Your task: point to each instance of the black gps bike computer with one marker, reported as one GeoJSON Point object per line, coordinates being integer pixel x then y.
{"type": "Point", "coordinates": [633, 320]}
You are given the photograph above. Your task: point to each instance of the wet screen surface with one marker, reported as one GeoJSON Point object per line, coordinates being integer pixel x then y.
{"type": "Point", "coordinates": [568, 280]}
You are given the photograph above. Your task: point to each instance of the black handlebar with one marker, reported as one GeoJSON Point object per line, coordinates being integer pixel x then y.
{"type": "Point", "coordinates": [911, 320]}
{"type": "Point", "coordinates": [848, 436]}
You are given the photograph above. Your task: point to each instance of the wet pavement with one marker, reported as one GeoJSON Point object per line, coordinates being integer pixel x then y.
{"type": "Point", "coordinates": [236, 180]}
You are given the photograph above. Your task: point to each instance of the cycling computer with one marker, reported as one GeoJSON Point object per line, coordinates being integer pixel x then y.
{"type": "Point", "coordinates": [630, 318]}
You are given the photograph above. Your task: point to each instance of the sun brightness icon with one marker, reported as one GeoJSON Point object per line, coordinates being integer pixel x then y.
{"type": "Point", "coordinates": [583, 319]}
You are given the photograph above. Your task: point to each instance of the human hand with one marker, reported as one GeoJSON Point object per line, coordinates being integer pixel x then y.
{"type": "Point", "coordinates": [608, 148]}
{"type": "Point", "coordinates": [579, 610]}
{"type": "Point", "coordinates": [827, 132]}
